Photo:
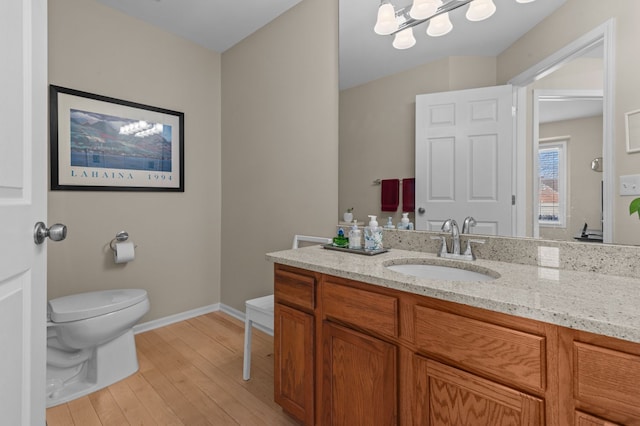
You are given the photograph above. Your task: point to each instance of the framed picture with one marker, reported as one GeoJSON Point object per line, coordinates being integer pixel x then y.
{"type": "Point", "coordinates": [105, 144]}
{"type": "Point", "coordinates": [632, 126]}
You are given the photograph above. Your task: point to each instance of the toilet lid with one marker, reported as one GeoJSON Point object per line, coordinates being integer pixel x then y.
{"type": "Point", "coordinates": [91, 304]}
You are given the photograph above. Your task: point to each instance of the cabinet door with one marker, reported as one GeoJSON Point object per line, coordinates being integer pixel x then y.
{"type": "Point", "coordinates": [294, 362]}
{"type": "Point", "coordinates": [583, 419]}
{"type": "Point", "coordinates": [447, 396]}
{"type": "Point", "coordinates": [359, 379]}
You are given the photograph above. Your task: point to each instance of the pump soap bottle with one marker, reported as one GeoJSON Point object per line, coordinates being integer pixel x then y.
{"type": "Point", "coordinates": [404, 222]}
{"type": "Point", "coordinates": [355, 236]}
{"type": "Point", "coordinates": [372, 235]}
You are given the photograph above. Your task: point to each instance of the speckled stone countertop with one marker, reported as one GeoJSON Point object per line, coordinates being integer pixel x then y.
{"type": "Point", "coordinates": [588, 301]}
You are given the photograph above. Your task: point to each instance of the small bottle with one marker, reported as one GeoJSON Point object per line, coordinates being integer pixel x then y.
{"type": "Point", "coordinates": [372, 235]}
{"type": "Point", "coordinates": [389, 224]}
{"type": "Point", "coordinates": [341, 240]}
{"type": "Point", "coordinates": [355, 237]}
{"type": "Point", "coordinates": [404, 222]}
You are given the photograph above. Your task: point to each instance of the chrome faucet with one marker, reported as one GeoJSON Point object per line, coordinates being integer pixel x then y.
{"type": "Point", "coordinates": [451, 225]}
{"type": "Point", "coordinates": [467, 224]}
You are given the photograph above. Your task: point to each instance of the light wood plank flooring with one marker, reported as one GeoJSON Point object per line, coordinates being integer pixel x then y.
{"type": "Point", "coordinates": [190, 374]}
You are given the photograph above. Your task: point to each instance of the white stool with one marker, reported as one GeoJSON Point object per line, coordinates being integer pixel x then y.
{"type": "Point", "coordinates": [260, 310]}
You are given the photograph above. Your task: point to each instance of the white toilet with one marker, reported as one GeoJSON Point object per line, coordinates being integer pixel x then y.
{"type": "Point", "coordinates": [90, 342]}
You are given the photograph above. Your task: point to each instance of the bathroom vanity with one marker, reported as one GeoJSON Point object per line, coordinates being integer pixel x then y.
{"type": "Point", "coordinates": [357, 343]}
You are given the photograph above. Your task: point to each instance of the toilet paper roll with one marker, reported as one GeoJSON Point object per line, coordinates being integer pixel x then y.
{"type": "Point", "coordinates": [124, 252]}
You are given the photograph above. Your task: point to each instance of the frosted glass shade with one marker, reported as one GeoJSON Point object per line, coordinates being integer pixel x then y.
{"type": "Point", "coordinates": [440, 25]}
{"type": "Point", "coordinates": [525, 1]}
{"type": "Point", "coordinates": [404, 39]}
{"type": "Point", "coordinates": [480, 10]}
{"type": "Point", "coordinates": [422, 9]}
{"type": "Point", "coordinates": [386, 23]}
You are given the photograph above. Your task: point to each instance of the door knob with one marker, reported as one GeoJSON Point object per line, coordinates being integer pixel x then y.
{"type": "Point", "coordinates": [421, 210]}
{"type": "Point", "coordinates": [57, 232]}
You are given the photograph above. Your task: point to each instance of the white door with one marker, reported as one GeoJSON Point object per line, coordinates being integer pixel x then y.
{"type": "Point", "coordinates": [464, 157]}
{"type": "Point", "coordinates": [23, 167]}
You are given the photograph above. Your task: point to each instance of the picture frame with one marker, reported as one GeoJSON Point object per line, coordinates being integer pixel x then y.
{"type": "Point", "coordinates": [632, 127]}
{"type": "Point", "coordinates": [99, 143]}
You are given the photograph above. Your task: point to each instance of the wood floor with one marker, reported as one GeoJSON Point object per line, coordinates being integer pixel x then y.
{"type": "Point", "coordinates": [190, 374]}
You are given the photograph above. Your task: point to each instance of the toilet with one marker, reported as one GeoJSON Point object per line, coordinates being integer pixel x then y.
{"type": "Point", "coordinates": [90, 343]}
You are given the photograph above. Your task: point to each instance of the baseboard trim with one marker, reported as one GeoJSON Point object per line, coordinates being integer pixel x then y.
{"type": "Point", "coordinates": [161, 322]}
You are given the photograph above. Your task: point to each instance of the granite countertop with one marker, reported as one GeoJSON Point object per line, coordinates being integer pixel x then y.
{"type": "Point", "coordinates": [597, 303]}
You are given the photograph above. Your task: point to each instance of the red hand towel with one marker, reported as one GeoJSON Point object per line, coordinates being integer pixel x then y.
{"type": "Point", "coordinates": [408, 194]}
{"type": "Point", "coordinates": [390, 195]}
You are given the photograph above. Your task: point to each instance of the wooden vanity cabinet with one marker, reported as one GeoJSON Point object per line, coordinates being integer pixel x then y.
{"type": "Point", "coordinates": [294, 342]}
{"type": "Point", "coordinates": [351, 353]}
{"type": "Point", "coordinates": [601, 377]}
{"type": "Point", "coordinates": [449, 396]}
{"type": "Point", "coordinates": [358, 380]}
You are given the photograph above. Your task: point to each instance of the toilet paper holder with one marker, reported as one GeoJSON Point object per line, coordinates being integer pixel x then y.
{"type": "Point", "coordinates": [120, 237]}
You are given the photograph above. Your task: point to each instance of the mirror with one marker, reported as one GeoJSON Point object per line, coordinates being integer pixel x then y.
{"type": "Point", "coordinates": [579, 217]}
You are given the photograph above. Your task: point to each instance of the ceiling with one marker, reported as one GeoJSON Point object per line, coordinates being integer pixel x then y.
{"type": "Point", "coordinates": [214, 24]}
{"type": "Point", "coordinates": [364, 55]}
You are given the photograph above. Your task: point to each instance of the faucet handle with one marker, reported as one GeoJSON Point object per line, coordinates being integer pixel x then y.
{"type": "Point", "coordinates": [468, 251]}
{"type": "Point", "coordinates": [443, 245]}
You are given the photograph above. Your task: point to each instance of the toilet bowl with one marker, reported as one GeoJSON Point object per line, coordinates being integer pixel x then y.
{"type": "Point", "coordinates": [90, 343]}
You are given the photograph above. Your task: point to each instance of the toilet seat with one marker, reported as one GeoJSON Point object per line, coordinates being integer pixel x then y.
{"type": "Point", "coordinates": [92, 304]}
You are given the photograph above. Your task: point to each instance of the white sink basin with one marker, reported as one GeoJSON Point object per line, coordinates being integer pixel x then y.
{"type": "Point", "coordinates": [439, 272]}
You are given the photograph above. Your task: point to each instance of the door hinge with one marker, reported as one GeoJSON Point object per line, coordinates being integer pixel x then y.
{"type": "Point", "coordinates": [513, 200]}
{"type": "Point", "coordinates": [514, 110]}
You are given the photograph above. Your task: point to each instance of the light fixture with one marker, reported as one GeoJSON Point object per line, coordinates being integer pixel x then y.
{"type": "Point", "coordinates": [404, 39]}
{"type": "Point", "coordinates": [439, 25]}
{"type": "Point", "coordinates": [386, 23]}
{"type": "Point", "coordinates": [396, 22]}
{"type": "Point", "coordinates": [480, 10]}
{"type": "Point", "coordinates": [422, 9]}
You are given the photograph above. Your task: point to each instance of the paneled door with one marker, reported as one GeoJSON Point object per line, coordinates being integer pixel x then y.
{"type": "Point", "coordinates": [464, 157]}
{"type": "Point", "coordinates": [23, 184]}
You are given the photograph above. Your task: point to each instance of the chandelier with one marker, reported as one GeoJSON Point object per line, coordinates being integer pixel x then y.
{"type": "Point", "coordinates": [400, 22]}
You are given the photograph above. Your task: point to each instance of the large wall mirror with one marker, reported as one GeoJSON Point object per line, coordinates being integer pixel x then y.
{"type": "Point", "coordinates": [569, 140]}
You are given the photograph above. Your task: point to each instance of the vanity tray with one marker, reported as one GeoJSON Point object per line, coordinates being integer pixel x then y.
{"type": "Point", "coordinates": [356, 251]}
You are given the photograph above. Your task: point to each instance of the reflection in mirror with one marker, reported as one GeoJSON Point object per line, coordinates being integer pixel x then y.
{"type": "Point", "coordinates": [568, 178]}
{"type": "Point", "coordinates": [377, 118]}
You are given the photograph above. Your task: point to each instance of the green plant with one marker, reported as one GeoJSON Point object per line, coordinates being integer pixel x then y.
{"type": "Point", "coordinates": [350, 210]}
{"type": "Point", "coordinates": [634, 207]}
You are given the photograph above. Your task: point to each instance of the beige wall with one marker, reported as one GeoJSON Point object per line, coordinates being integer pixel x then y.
{"type": "Point", "coordinates": [99, 50]}
{"type": "Point", "coordinates": [583, 204]}
{"type": "Point", "coordinates": [280, 143]}
{"type": "Point", "coordinates": [377, 127]}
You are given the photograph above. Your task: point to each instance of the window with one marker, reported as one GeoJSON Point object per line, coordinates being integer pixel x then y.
{"type": "Point", "coordinates": [552, 183]}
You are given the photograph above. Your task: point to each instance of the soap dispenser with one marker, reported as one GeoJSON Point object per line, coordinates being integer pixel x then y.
{"type": "Point", "coordinates": [389, 224]}
{"type": "Point", "coordinates": [372, 235]}
{"type": "Point", "coordinates": [404, 222]}
{"type": "Point", "coordinates": [355, 236]}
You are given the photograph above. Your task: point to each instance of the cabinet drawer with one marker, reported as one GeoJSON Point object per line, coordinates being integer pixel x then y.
{"type": "Point", "coordinates": [514, 356]}
{"type": "Point", "coordinates": [295, 288]}
{"type": "Point", "coordinates": [606, 377]}
{"type": "Point", "coordinates": [366, 310]}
